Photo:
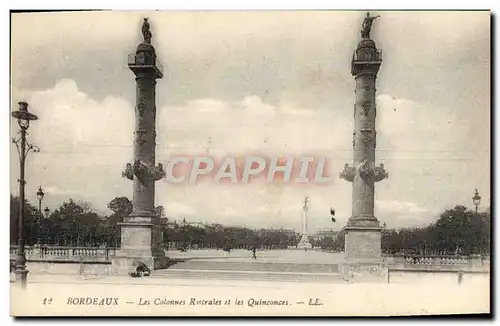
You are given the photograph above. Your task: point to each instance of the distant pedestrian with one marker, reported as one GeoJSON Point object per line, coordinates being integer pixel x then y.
{"type": "Point", "coordinates": [254, 250]}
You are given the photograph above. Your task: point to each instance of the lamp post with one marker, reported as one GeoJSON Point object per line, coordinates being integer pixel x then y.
{"type": "Point", "coordinates": [23, 148]}
{"type": "Point", "coordinates": [184, 223]}
{"type": "Point", "coordinates": [39, 196]}
{"type": "Point", "coordinates": [44, 226]}
{"type": "Point", "coordinates": [477, 200]}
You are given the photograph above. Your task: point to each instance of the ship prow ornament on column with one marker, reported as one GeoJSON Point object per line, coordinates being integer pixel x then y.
{"type": "Point", "coordinates": [141, 236]}
{"type": "Point", "coordinates": [304, 240]}
{"type": "Point", "coordinates": [362, 256]}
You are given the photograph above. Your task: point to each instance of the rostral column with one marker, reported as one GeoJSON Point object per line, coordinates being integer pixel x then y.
{"type": "Point", "coordinates": [141, 237]}
{"type": "Point", "coordinates": [363, 232]}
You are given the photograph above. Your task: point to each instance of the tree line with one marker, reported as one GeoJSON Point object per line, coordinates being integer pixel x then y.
{"type": "Point", "coordinates": [456, 231]}
{"type": "Point", "coordinates": [75, 223]}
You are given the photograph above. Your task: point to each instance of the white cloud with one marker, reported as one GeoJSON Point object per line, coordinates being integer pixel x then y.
{"type": "Point", "coordinates": [55, 190]}
{"type": "Point", "coordinates": [67, 115]}
{"type": "Point", "coordinates": [179, 210]}
{"type": "Point", "coordinates": [402, 208]}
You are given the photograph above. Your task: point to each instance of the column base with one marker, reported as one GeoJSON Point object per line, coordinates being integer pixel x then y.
{"type": "Point", "coordinates": [304, 243]}
{"type": "Point", "coordinates": [363, 243]}
{"type": "Point", "coordinates": [362, 257]}
{"type": "Point", "coordinates": [367, 271]}
{"type": "Point", "coordinates": [363, 221]}
{"type": "Point", "coordinates": [126, 262]}
{"type": "Point", "coordinates": [141, 243]}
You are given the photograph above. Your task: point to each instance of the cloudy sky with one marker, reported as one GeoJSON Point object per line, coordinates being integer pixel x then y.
{"type": "Point", "coordinates": [258, 82]}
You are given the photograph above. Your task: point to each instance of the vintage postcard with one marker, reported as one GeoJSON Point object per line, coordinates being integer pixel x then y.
{"type": "Point", "coordinates": [250, 163]}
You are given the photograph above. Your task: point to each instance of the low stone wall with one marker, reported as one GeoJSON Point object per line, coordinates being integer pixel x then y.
{"type": "Point", "coordinates": [101, 256]}
{"type": "Point", "coordinates": [69, 268]}
{"type": "Point", "coordinates": [416, 262]}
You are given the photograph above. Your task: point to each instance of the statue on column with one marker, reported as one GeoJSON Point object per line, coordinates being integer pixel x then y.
{"type": "Point", "coordinates": [146, 33]}
{"type": "Point", "coordinates": [306, 203]}
{"type": "Point", "coordinates": [367, 25]}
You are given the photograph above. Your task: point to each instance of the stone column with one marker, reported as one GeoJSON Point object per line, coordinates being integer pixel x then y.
{"type": "Point", "coordinates": [144, 143]}
{"type": "Point", "coordinates": [363, 232]}
{"type": "Point", "coordinates": [304, 240]}
{"type": "Point", "coordinates": [141, 236]}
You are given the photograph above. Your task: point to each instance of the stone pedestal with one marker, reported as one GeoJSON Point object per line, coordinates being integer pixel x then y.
{"type": "Point", "coordinates": [141, 242]}
{"type": "Point", "coordinates": [369, 272]}
{"type": "Point", "coordinates": [304, 243]}
{"type": "Point", "coordinates": [362, 256]}
{"type": "Point", "coordinates": [363, 243]}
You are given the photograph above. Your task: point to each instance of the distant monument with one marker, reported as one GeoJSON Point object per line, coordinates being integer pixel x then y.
{"type": "Point", "coordinates": [141, 238]}
{"type": "Point", "coordinates": [363, 231]}
{"type": "Point", "coordinates": [304, 241]}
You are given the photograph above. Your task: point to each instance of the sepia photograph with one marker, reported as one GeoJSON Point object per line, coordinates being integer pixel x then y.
{"type": "Point", "coordinates": [293, 163]}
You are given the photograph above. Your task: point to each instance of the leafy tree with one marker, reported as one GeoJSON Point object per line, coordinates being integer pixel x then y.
{"type": "Point", "coordinates": [121, 207]}
{"type": "Point", "coordinates": [160, 212]}
{"type": "Point", "coordinates": [326, 243]}
{"type": "Point", "coordinates": [30, 222]}
{"type": "Point", "coordinates": [77, 223]}
{"type": "Point", "coordinates": [456, 231]}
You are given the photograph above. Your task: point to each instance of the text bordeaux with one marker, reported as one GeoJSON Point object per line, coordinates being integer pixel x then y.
{"type": "Point", "coordinates": [89, 301]}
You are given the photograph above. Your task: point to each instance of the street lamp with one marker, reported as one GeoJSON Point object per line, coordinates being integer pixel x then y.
{"type": "Point", "coordinates": [39, 196]}
{"type": "Point", "coordinates": [43, 228]}
{"type": "Point", "coordinates": [23, 148]}
{"type": "Point", "coordinates": [476, 199]}
{"type": "Point", "coordinates": [184, 223]}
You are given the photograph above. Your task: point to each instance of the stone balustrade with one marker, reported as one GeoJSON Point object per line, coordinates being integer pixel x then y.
{"type": "Point", "coordinates": [403, 262]}
{"type": "Point", "coordinates": [437, 262]}
{"type": "Point", "coordinates": [56, 253]}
